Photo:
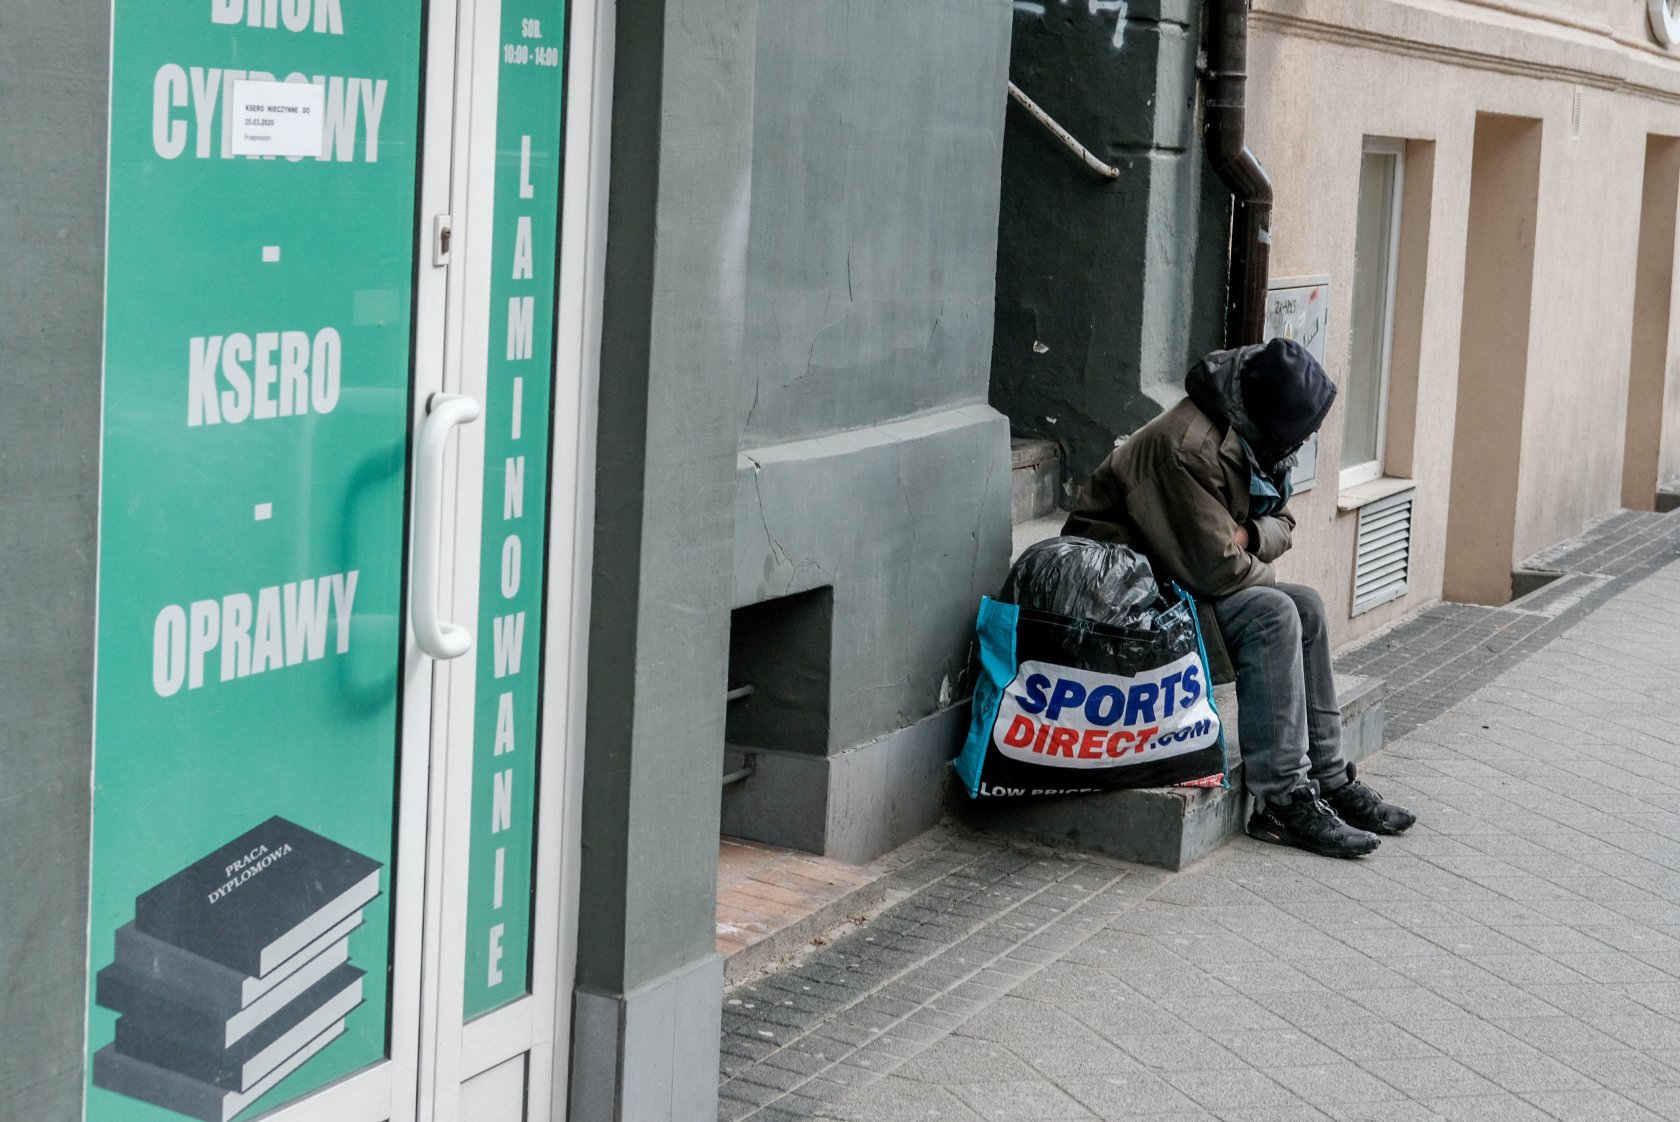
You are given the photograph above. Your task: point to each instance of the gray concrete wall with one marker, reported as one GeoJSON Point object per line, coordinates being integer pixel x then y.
{"type": "Point", "coordinates": [664, 487]}
{"type": "Point", "coordinates": [52, 222]}
{"type": "Point", "coordinates": [870, 463]}
{"type": "Point", "coordinates": [1107, 289]}
{"type": "Point", "coordinates": [876, 134]}
{"type": "Point", "coordinates": [681, 152]}
{"type": "Point", "coordinates": [908, 522]}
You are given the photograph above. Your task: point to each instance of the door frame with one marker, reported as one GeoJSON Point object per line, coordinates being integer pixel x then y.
{"type": "Point", "coordinates": [538, 1024]}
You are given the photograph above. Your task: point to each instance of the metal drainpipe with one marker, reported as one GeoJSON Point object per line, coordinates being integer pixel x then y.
{"type": "Point", "coordinates": [1225, 111]}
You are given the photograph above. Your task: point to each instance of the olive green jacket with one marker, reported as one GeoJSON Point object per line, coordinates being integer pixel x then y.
{"type": "Point", "coordinates": [1176, 491]}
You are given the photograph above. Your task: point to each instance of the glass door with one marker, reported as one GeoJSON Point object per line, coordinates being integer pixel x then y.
{"type": "Point", "coordinates": [333, 781]}
{"type": "Point", "coordinates": [277, 329]}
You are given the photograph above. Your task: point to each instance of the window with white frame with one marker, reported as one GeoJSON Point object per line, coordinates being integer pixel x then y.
{"type": "Point", "coordinates": [1376, 248]}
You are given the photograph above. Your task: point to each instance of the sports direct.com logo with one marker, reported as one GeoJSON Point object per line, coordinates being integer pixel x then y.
{"type": "Point", "coordinates": [1058, 716]}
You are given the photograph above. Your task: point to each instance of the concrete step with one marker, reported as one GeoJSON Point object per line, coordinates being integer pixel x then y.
{"type": "Point", "coordinates": [1035, 478]}
{"type": "Point", "coordinates": [1031, 533]}
{"type": "Point", "coordinates": [1165, 826]}
{"type": "Point", "coordinates": [775, 904]}
{"type": "Point", "coordinates": [773, 900]}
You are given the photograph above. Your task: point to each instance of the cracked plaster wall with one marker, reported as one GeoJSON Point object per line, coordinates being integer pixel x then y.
{"type": "Point", "coordinates": [907, 572]}
{"type": "Point", "coordinates": [870, 460]}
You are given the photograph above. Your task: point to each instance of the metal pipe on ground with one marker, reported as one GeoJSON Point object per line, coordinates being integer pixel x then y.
{"type": "Point", "coordinates": [1225, 113]}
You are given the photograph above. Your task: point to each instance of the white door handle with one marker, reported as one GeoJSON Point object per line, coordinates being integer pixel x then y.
{"type": "Point", "coordinates": [436, 637]}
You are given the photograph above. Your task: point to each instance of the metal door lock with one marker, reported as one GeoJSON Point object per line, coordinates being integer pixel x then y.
{"type": "Point", "coordinates": [443, 229]}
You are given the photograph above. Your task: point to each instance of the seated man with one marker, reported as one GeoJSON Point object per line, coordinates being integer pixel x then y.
{"type": "Point", "coordinates": [1203, 492]}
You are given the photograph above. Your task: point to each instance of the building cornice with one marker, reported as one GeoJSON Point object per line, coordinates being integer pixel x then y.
{"type": "Point", "coordinates": [1498, 36]}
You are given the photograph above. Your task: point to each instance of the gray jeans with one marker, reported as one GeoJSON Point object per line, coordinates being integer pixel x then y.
{"type": "Point", "coordinates": [1289, 725]}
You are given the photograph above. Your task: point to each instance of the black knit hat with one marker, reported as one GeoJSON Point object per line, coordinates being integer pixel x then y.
{"type": "Point", "coordinates": [1286, 393]}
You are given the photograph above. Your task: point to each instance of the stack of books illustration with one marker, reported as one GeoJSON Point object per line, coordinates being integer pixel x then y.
{"type": "Point", "coordinates": [235, 971]}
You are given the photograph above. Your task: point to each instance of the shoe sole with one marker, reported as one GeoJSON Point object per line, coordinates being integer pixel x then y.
{"type": "Point", "coordinates": [1380, 828]}
{"type": "Point", "coordinates": [1276, 838]}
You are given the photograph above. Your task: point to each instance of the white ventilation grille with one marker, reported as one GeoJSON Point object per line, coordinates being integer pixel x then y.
{"type": "Point", "coordinates": [1575, 115]}
{"type": "Point", "coordinates": [1383, 555]}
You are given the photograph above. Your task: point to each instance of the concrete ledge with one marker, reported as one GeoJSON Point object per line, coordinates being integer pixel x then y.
{"type": "Point", "coordinates": [1165, 826]}
{"type": "Point", "coordinates": [1364, 712]}
{"type": "Point", "coordinates": [854, 805]}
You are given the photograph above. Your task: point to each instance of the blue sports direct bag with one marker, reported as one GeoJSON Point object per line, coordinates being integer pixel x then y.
{"type": "Point", "coordinates": [1066, 704]}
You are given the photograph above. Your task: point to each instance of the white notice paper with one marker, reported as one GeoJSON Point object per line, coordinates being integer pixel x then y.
{"type": "Point", "coordinates": [278, 118]}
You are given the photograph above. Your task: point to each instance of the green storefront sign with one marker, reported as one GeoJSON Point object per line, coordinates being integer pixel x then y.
{"type": "Point", "coordinates": [517, 419]}
{"type": "Point", "coordinates": [257, 390]}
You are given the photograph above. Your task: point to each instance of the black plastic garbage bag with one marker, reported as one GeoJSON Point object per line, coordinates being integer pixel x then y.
{"type": "Point", "coordinates": [1086, 580]}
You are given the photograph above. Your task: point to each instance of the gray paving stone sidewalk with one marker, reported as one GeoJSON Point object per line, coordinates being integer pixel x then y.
{"type": "Point", "coordinates": [1516, 956]}
{"type": "Point", "coordinates": [1443, 654]}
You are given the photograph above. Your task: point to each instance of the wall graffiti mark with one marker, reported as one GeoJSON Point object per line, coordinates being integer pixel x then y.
{"type": "Point", "coordinates": [1119, 8]}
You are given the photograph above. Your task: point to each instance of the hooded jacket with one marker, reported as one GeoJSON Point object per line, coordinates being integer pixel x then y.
{"type": "Point", "coordinates": [1178, 488]}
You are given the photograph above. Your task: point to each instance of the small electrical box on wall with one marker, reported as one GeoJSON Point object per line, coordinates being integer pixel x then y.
{"type": "Point", "coordinates": [1298, 308]}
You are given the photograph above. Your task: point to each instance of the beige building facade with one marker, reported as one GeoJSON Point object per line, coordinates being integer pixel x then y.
{"type": "Point", "coordinates": [1491, 187]}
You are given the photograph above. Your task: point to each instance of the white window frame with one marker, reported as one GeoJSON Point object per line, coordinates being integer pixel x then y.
{"type": "Point", "coordinates": [1355, 474]}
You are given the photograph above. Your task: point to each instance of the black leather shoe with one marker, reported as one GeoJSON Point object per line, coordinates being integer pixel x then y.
{"type": "Point", "coordinates": [1307, 822]}
{"type": "Point", "coordinates": [1358, 805]}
